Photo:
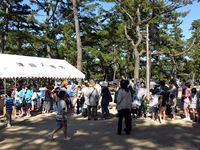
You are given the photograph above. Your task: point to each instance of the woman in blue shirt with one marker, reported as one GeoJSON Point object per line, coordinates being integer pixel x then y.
{"type": "Point", "coordinates": [29, 93]}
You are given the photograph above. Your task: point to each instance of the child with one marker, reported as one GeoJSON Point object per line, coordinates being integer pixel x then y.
{"type": "Point", "coordinates": [61, 116]}
{"type": "Point", "coordinates": [173, 105]}
{"type": "Point", "coordinates": [162, 106]}
{"type": "Point", "coordinates": [9, 108]}
{"type": "Point", "coordinates": [187, 101]}
{"type": "Point", "coordinates": [154, 104]}
{"type": "Point", "coordinates": [135, 106]}
{"type": "Point", "coordinates": [143, 107]}
{"type": "Point", "coordinates": [193, 105]}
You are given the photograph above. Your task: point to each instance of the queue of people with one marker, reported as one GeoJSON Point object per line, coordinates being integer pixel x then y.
{"type": "Point", "coordinates": [164, 100]}
{"type": "Point", "coordinates": [88, 97]}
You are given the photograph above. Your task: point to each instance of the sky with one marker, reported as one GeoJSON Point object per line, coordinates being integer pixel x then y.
{"type": "Point", "coordinates": [187, 21]}
{"type": "Point", "coordinates": [194, 14]}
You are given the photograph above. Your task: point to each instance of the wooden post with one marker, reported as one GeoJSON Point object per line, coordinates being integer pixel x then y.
{"type": "Point", "coordinates": [148, 65]}
{"type": "Point", "coordinates": [4, 85]}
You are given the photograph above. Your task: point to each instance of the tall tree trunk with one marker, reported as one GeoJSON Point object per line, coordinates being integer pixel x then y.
{"type": "Point", "coordinates": [136, 54]}
{"type": "Point", "coordinates": [48, 48]}
{"type": "Point", "coordinates": [174, 68]}
{"type": "Point", "coordinates": [193, 78]}
{"type": "Point", "coordinates": [48, 51]}
{"type": "Point", "coordinates": [137, 65]}
{"type": "Point", "coordinates": [78, 37]}
{"type": "Point", "coordinates": [148, 63]}
{"type": "Point", "coordinates": [115, 65]}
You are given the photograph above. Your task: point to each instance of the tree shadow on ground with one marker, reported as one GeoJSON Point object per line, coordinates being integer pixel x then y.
{"type": "Point", "coordinates": [100, 135]}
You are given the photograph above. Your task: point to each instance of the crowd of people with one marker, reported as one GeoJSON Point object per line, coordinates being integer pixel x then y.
{"type": "Point", "coordinates": [87, 97]}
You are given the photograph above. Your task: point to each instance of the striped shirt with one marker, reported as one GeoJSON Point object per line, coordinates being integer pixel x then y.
{"type": "Point", "coordinates": [9, 103]}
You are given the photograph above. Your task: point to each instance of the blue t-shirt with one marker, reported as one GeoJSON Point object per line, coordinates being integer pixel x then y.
{"type": "Point", "coordinates": [69, 92]}
{"type": "Point", "coordinates": [28, 96]}
{"type": "Point", "coordinates": [9, 103]}
{"type": "Point", "coordinates": [22, 94]}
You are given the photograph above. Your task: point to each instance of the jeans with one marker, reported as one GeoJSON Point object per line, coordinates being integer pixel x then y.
{"type": "Point", "coordinates": [105, 111]}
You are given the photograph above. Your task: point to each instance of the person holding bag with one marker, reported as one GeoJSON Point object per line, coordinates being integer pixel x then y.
{"type": "Point", "coordinates": [91, 100]}
{"type": "Point", "coordinates": [124, 103]}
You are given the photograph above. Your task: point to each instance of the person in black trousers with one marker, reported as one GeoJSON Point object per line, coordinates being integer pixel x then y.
{"type": "Point", "coordinates": [124, 103]}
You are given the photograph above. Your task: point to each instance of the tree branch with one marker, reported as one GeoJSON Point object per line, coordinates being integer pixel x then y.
{"type": "Point", "coordinates": [128, 14]}
{"type": "Point", "coordinates": [174, 7]}
{"type": "Point", "coordinates": [141, 52]}
{"type": "Point", "coordinates": [127, 36]}
{"type": "Point", "coordinates": [53, 11]}
{"type": "Point", "coordinates": [138, 29]}
{"type": "Point", "coordinates": [187, 50]}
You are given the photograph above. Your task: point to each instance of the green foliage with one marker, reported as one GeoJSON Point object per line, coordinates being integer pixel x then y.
{"type": "Point", "coordinates": [30, 28]}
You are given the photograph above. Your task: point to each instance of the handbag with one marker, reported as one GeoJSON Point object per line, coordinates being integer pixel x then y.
{"type": "Point", "coordinates": [110, 98]}
{"type": "Point", "coordinates": [91, 94]}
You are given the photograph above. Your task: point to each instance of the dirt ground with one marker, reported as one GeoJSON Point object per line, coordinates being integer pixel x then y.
{"type": "Point", "coordinates": [32, 134]}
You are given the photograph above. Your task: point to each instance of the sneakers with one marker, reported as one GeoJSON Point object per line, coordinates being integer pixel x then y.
{"type": "Point", "coordinates": [188, 119]}
{"type": "Point", "coordinates": [21, 115]}
{"type": "Point", "coordinates": [27, 116]}
{"type": "Point", "coordinates": [50, 136]}
{"type": "Point", "coordinates": [67, 138]}
{"type": "Point", "coordinates": [8, 125]}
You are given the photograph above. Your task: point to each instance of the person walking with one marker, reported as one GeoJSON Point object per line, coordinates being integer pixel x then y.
{"type": "Point", "coordinates": [124, 103]}
{"type": "Point", "coordinates": [193, 105]}
{"type": "Point", "coordinates": [61, 116]}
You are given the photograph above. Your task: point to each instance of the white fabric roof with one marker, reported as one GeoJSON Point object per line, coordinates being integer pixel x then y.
{"type": "Point", "coordinates": [15, 66]}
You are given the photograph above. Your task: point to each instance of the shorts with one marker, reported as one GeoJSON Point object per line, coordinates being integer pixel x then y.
{"type": "Point", "coordinates": [186, 105]}
{"type": "Point", "coordinates": [162, 109]}
{"type": "Point", "coordinates": [154, 109]}
{"type": "Point", "coordinates": [28, 105]}
{"type": "Point", "coordinates": [173, 110]}
{"type": "Point", "coordinates": [193, 105]}
{"type": "Point", "coordinates": [18, 106]}
{"type": "Point", "coordinates": [59, 123]}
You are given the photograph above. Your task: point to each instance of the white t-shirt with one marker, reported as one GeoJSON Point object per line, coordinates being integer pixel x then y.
{"type": "Point", "coordinates": [61, 105]}
{"type": "Point", "coordinates": [154, 101]}
{"type": "Point", "coordinates": [141, 92]}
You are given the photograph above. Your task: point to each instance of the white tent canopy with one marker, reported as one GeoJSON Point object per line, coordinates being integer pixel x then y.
{"type": "Point", "coordinates": [15, 66]}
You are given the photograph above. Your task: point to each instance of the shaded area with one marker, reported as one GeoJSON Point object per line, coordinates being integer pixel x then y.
{"type": "Point", "coordinates": [100, 135]}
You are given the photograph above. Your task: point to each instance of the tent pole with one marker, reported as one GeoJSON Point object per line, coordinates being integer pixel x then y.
{"type": "Point", "coordinates": [15, 82]}
{"type": "Point", "coordinates": [4, 84]}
